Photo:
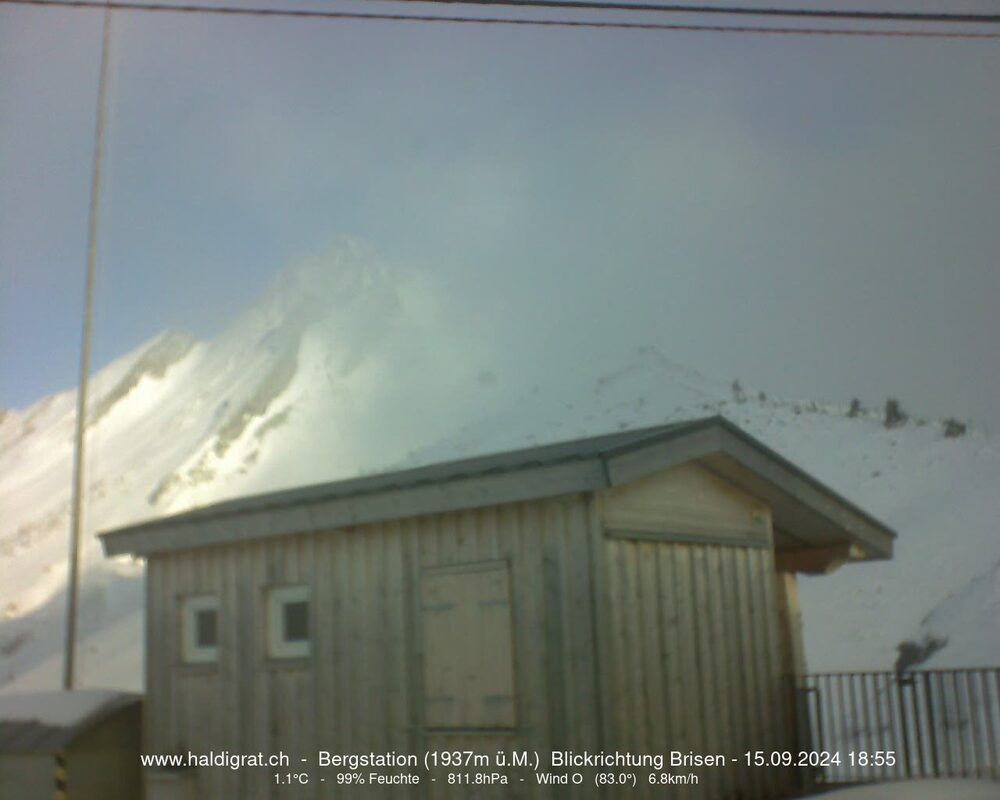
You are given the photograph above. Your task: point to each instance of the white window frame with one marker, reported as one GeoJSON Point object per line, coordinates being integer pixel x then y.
{"type": "Point", "coordinates": [277, 645]}
{"type": "Point", "coordinates": [191, 651]}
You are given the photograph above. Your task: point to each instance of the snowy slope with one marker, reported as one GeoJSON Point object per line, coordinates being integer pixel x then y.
{"type": "Point", "coordinates": [343, 367]}
{"type": "Point", "coordinates": [291, 392]}
{"type": "Point", "coordinates": [941, 494]}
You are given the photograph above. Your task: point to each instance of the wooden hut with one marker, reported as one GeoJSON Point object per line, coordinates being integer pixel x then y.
{"type": "Point", "coordinates": [633, 592]}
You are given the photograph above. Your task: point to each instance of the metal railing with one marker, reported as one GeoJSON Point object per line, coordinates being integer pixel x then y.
{"type": "Point", "coordinates": [880, 726]}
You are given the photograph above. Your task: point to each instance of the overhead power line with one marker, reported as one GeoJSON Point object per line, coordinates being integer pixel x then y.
{"type": "Point", "coordinates": [249, 11]}
{"type": "Point", "coordinates": [730, 11]}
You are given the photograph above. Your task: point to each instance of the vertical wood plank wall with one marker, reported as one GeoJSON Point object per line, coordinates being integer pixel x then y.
{"type": "Point", "coordinates": [692, 630]}
{"type": "Point", "coordinates": [361, 688]}
{"type": "Point", "coordinates": [618, 644]}
{"type": "Point", "coordinates": [694, 663]}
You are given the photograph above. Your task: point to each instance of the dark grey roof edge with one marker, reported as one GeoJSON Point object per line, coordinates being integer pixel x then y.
{"type": "Point", "coordinates": [429, 473]}
{"type": "Point", "coordinates": [579, 457]}
{"type": "Point", "coordinates": [32, 736]}
{"type": "Point", "coordinates": [817, 484]}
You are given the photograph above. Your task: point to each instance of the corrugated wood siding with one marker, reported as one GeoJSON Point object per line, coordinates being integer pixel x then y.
{"type": "Point", "coordinates": [693, 660]}
{"type": "Point", "coordinates": [692, 633]}
{"type": "Point", "coordinates": [551, 602]}
{"type": "Point", "coordinates": [685, 500]}
{"type": "Point", "coordinates": [361, 689]}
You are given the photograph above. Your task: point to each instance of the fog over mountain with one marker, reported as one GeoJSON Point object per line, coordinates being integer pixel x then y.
{"type": "Point", "coordinates": [344, 367]}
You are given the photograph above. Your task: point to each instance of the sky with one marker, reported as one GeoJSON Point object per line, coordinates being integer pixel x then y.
{"type": "Point", "coordinates": [813, 215]}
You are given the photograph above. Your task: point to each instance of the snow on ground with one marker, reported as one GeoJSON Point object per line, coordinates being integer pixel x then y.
{"type": "Point", "coordinates": [918, 790]}
{"type": "Point", "coordinates": [969, 618]}
{"type": "Point", "coordinates": [343, 368]}
{"type": "Point", "coordinates": [942, 495]}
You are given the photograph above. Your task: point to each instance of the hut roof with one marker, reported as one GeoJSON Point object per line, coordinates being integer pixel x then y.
{"type": "Point", "coordinates": [806, 512]}
{"type": "Point", "coordinates": [45, 722]}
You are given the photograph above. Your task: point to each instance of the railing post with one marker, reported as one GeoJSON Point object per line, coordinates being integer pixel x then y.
{"type": "Point", "coordinates": [843, 729]}
{"type": "Point", "coordinates": [931, 728]}
{"type": "Point", "coordinates": [962, 761]}
{"type": "Point", "coordinates": [855, 725]}
{"type": "Point", "coordinates": [890, 703]}
{"type": "Point", "coordinates": [978, 737]}
{"type": "Point", "coordinates": [992, 755]}
{"type": "Point", "coordinates": [900, 682]}
{"type": "Point", "coordinates": [880, 737]}
{"type": "Point", "coordinates": [804, 738]}
{"type": "Point", "coordinates": [918, 728]}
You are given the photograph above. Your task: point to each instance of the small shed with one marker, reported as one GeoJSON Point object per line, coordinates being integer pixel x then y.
{"type": "Point", "coordinates": [82, 745]}
{"type": "Point", "coordinates": [630, 593]}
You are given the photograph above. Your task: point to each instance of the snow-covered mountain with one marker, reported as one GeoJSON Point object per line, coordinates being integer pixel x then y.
{"type": "Point", "coordinates": [344, 367]}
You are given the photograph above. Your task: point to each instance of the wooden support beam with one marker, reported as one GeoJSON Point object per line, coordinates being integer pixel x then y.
{"type": "Point", "coordinates": [816, 560]}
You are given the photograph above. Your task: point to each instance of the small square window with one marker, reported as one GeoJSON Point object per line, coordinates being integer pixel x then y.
{"type": "Point", "coordinates": [200, 629]}
{"type": "Point", "coordinates": [288, 622]}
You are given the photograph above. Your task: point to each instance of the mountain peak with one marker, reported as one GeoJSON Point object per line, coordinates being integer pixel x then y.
{"type": "Point", "coordinates": [336, 276]}
{"type": "Point", "coordinates": [331, 287]}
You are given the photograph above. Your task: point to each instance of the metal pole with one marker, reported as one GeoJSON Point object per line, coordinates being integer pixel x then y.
{"type": "Point", "coordinates": [76, 500]}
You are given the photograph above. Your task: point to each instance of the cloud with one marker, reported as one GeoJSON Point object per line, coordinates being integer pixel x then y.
{"type": "Point", "coordinates": [803, 195]}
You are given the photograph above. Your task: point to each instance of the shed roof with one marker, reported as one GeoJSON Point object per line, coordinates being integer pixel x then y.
{"type": "Point", "coordinates": [806, 512]}
{"type": "Point", "coordinates": [44, 722]}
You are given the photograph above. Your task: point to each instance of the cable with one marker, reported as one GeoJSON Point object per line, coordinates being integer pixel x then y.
{"type": "Point", "coordinates": [800, 13]}
{"type": "Point", "coordinates": [351, 15]}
